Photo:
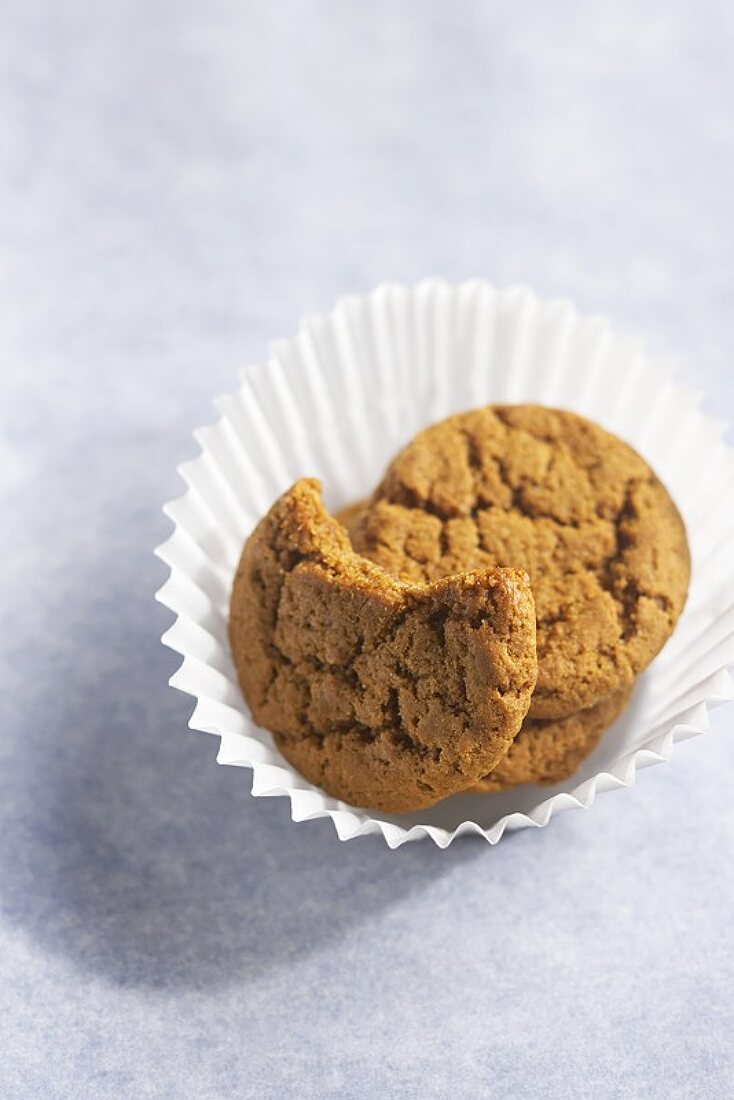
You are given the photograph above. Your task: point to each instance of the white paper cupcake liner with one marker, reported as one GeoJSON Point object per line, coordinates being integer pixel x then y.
{"type": "Point", "coordinates": [336, 402]}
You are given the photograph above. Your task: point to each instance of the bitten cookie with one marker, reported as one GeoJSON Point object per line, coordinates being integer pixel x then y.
{"type": "Point", "coordinates": [550, 492]}
{"type": "Point", "coordinates": [549, 751]}
{"type": "Point", "coordinates": [385, 693]}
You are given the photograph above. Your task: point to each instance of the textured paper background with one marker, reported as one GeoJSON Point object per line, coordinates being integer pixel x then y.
{"type": "Point", "coordinates": [179, 183]}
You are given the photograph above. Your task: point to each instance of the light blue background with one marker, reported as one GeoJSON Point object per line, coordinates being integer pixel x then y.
{"type": "Point", "coordinates": [180, 182]}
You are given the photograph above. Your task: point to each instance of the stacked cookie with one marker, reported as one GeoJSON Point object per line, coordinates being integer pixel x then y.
{"type": "Point", "coordinates": [599, 536]}
{"type": "Point", "coordinates": [518, 488]}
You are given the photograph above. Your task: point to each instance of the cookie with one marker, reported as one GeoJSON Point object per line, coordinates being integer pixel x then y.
{"type": "Point", "coordinates": [549, 492]}
{"type": "Point", "coordinates": [551, 750]}
{"type": "Point", "coordinates": [385, 693]}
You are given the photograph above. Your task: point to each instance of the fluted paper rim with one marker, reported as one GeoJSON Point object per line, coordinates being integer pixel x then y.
{"type": "Point", "coordinates": [200, 552]}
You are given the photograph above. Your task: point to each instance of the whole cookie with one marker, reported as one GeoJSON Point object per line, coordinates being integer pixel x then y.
{"type": "Point", "coordinates": [552, 493]}
{"type": "Point", "coordinates": [547, 751]}
{"type": "Point", "coordinates": [385, 693]}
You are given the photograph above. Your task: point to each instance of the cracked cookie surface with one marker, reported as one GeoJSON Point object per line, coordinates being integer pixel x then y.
{"type": "Point", "coordinates": [549, 750]}
{"type": "Point", "coordinates": [386, 693]}
{"type": "Point", "coordinates": [550, 492]}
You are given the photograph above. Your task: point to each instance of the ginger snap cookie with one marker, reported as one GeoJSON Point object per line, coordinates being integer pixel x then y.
{"type": "Point", "coordinates": [386, 693]}
{"type": "Point", "coordinates": [552, 493]}
{"type": "Point", "coordinates": [547, 751]}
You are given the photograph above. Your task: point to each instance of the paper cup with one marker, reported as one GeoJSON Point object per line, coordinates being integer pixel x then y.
{"type": "Point", "coordinates": [336, 402]}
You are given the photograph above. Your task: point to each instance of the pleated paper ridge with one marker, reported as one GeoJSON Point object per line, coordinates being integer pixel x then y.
{"type": "Point", "coordinates": [336, 402]}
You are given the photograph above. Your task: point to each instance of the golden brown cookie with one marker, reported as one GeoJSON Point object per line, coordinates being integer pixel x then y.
{"type": "Point", "coordinates": [550, 492]}
{"type": "Point", "coordinates": [551, 750]}
{"type": "Point", "coordinates": [385, 693]}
